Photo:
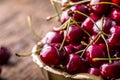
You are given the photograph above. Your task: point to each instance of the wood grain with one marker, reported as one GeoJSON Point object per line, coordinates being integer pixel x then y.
{"type": "Point", "coordinates": [15, 34]}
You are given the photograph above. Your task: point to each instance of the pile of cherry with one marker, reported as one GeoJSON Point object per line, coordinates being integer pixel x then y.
{"type": "Point", "coordinates": [88, 40]}
{"type": "Point", "coordinates": [4, 56]}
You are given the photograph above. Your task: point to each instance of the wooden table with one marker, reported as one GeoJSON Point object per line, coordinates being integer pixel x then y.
{"type": "Point", "coordinates": [15, 34]}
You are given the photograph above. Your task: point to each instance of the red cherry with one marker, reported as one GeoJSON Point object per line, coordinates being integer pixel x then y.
{"type": "Point", "coordinates": [94, 71]}
{"type": "Point", "coordinates": [54, 37]}
{"type": "Point", "coordinates": [87, 24]}
{"type": "Point", "coordinates": [116, 1]}
{"type": "Point", "coordinates": [99, 9]}
{"type": "Point", "coordinates": [108, 23]}
{"type": "Point", "coordinates": [50, 56]}
{"type": "Point", "coordinates": [115, 15]}
{"type": "Point", "coordinates": [76, 64]}
{"type": "Point", "coordinates": [0, 69]}
{"type": "Point", "coordinates": [75, 0]}
{"type": "Point", "coordinates": [95, 51]}
{"type": "Point", "coordinates": [114, 40]}
{"type": "Point", "coordinates": [82, 8]}
{"type": "Point", "coordinates": [74, 34]}
{"type": "Point", "coordinates": [64, 16]}
{"type": "Point", "coordinates": [4, 55]}
{"type": "Point", "coordinates": [110, 70]}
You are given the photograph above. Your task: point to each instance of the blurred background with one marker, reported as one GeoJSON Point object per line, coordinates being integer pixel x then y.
{"type": "Point", "coordinates": [16, 35]}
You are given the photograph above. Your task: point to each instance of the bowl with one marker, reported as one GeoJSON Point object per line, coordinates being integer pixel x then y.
{"type": "Point", "coordinates": [56, 74]}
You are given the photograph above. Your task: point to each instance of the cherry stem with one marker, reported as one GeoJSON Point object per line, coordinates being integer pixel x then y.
{"type": "Point", "coordinates": [58, 1]}
{"type": "Point", "coordinates": [110, 61]}
{"type": "Point", "coordinates": [51, 17]}
{"type": "Point", "coordinates": [27, 54]}
{"type": "Point", "coordinates": [31, 27]}
{"type": "Point", "coordinates": [96, 59]}
{"type": "Point", "coordinates": [70, 4]}
{"type": "Point", "coordinates": [104, 3]}
{"type": "Point", "coordinates": [88, 45]}
{"type": "Point", "coordinates": [55, 7]}
{"type": "Point", "coordinates": [68, 25]}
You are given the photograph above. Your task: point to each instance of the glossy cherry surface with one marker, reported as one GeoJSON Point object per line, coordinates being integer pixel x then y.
{"type": "Point", "coordinates": [110, 70]}
{"type": "Point", "coordinates": [94, 71]}
{"type": "Point", "coordinates": [50, 56]}
{"type": "Point", "coordinates": [95, 51]}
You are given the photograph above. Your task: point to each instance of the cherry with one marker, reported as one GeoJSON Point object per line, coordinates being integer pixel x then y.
{"type": "Point", "coordinates": [87, 24]}
{"type": "Point", "coordinates": [69, 49]}
{"type": "Point", "coordinates": [54, 37]}
{"type": "Point", "coordinates": [97, 40]}
{"type": "Point", "coordinates": [99, 9]}
{"type": "Point", "coordinates": [105, 26]}
{"type": "Point", "coordinates": [64, 16]}
{"type": "Point", "coordinates": [4, 55]}
{"type": "Point", "coordinates": [75, 0]}
{"type": "Point", "coordinates": [115, 15]}
{"type": "Point", "coordinates": [94, 71]}
{"type": "Point", "coordinates": [82, 8]}
{"type": "Point", "coordinates": [0, 69]}
{"type": "Point", "coordinates": [50, 56]}
{"type": "Point", "coordinates": [78, 47]}
{"type": "Point", "coordinates": [114, 40]}
{"type": "Point", "coordinates": [95, 51]}
{"type": "Point", "coordinates": [110, 70]}
{"type": "Point", "coordinates": [74, 34]}
{"type": "Point", "coordinates": [116, 1]}
{"type": "Point", "coordinates": [76, 64]}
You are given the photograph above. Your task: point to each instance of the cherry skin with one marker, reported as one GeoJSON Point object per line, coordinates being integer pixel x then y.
{"type": "Point", "coordinates": [114, 40]}
{"type": "Point", "coordinates": [64, 16]}
{"type": "Point", "coordinates": [87, 24]}
{"type": "Point", "coordinates": [82, 8]}
{"type": "Point", "coordinates": [74, 34]}
{"type": "Point", "coordinates": [69, 49]}
{"type": "Point", "coordinates": [50, 56]}
{"type": "Point", "coordinates": [75, 0]}
{"type": "Point", "coordinates": [110, 70]}
{"type": "Point", "coordinates": [99, 9]}
{"type": "Point", "coordinates": [105, 26]}
{"type": "Point", "coordinates": [95, 51]}
{"type": "Point", "coordinates": [116, 1]}
{"type": "Point", "coordinates": [4, 55]}
{"type": "Point", "coordinates": [76, 64]}
{"type": "Point", "coordinates": [78, 47]}
{"type": "Point", "coordinates": [0, 69]}
{"type": "Point", "coordinates": [54, 37]}
{"type": "Point", "coordinates": [115, 15]}
{"type": "Point", "coordinates": [94, 71]}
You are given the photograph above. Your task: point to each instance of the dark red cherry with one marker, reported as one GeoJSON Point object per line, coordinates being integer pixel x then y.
{"type": "Point", "coordinates": [64, 16]}
{"type": "Point", "coordinates": [116, 1]}
{"type": "Point", "coordinates": [74, 34]}
{"type": "Point", "coordinates": [115, 15]}
{"type": "Point", "coordinates": [94, 71]}
{"type": "Point", "coordinates": [95, 51]}
{"type": "Point", "coordinates": [99, 9]}
{"type": "Point", "coordinates": [76, 64]}
{"type": "Point", "coordinates": [82, 8]}
{"type": "Point", "coordinates": [87, 24]}
{"type": "Point", "coordinates": [69, 49]}
{"type": "Point", "coordinates": [97, 40]}
{"type": "Point", "coordinates": [114, 40]}
{"type": "Point", "coordinates": [54, 37]}
{"type": "Point", "coordinates": [105, 27]}
{"type": "Point", "coordinates": [78, 47]}
{"type": "Point", "coordinates": [0, 69]}
{"type": "Point", "coordinates": [4, 55]}
{"type": "Point", "coordinates": [75, 0]}
{"type": "Point", "coordinates": [117, 54]}
{"type": "Point", "coordinates": [50, 56]}
{"type": "Point", "coordinates": [110, 70]}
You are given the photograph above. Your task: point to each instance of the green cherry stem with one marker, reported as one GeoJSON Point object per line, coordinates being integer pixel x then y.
{"type": "Point", "coordinates": [55, 7]}
{"type": "Point", "coordinates": [110, 61]}
{"type": "Point", "coordinates": [104, 3]}
{"type": "Point", "coordinates": [68, 25]}
{"type": "Point", "coordinates": [96, 59]}
{"type": "Point", "coordinates": [26, 54]}
{"type": "Point", "coordinates": [31, 27]}
{"type": "Point", "coordinates": [79, 2]}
